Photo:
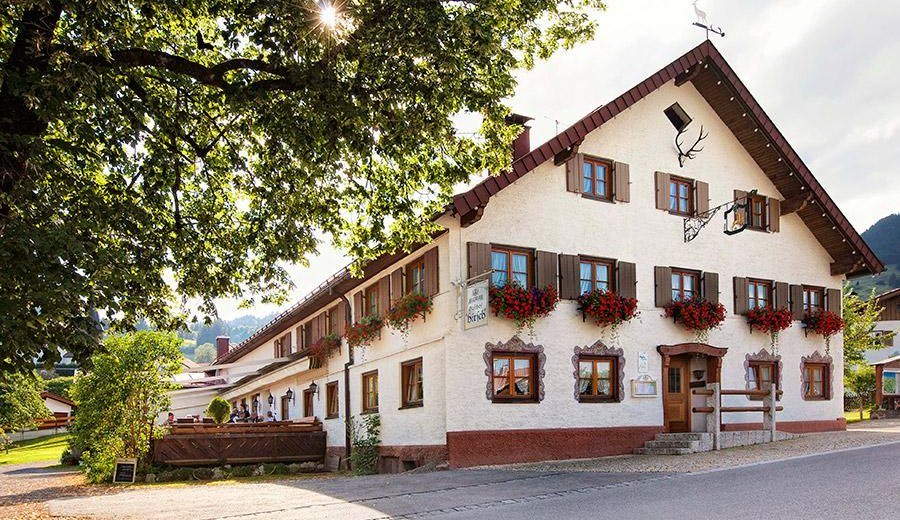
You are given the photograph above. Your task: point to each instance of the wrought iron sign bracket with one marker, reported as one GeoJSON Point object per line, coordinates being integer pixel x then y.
{"type": "Point", "coordinates": [738, 208]}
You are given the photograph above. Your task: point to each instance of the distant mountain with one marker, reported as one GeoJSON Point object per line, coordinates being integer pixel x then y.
{"type": "Point", "coordinates": [884, 238]}
{"type": "Point", "coordinates": [238, 329]}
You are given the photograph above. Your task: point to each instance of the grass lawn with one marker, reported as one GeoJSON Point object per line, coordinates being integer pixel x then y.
{"type": "Point", "coordinates": [36, 450]}
{"type": "Point", "coordinates": [853, 416]}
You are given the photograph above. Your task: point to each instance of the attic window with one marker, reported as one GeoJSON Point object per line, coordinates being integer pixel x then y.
{"type": "Point", "coordinates": [677, 116]}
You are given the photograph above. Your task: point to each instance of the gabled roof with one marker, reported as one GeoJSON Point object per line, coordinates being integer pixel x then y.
{"type": "Point", "coordinates": [711, 75]}
{"type": "Point", "coordinates": [58, 398]}
{"type": "Point", "coordinates": [887, 295]}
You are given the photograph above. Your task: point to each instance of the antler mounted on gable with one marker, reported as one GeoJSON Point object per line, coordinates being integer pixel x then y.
{"type": "Point", "coordinates": [693, 150]}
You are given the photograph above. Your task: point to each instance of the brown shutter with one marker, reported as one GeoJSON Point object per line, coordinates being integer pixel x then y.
{"type": "Point", "coordinates": [662, 192]}
{"type": "Point", "coordinates": [308, 333]}
{"type": "Point", "coordinates": [774, 214]}
{"type": "Point", "coordinates": [738, 196]}
{"type": "Point", "coordinates": [573, 172]}
{"type": "Point", "coordinates": [833, 300]}
{"type": "Point", "coordinates": [431, 271]}
{"type": "Point", "coordinates": [782, 295]}
{"type": "Point", "coordinates": [663, 279]}
{"type": "Point", "coordinates": [341, 314]}
{"type": "Point", "coordinates": [740, 295]}
{"type": "Point", "coordinates": [797, 302]}
{"type": "Point", "coordinates": [277, 348]}
{"type": "Point", "coordinates": [321, 321]}
{"type": "Point", "coordinates": [701, 192]}
{"type": "Point", "coordinates": [622, 181]}
{"type": "Point", "coordinates": [358, 306]}
{"type": "Point", "coordinates": [568, 277]}
{"type": "Point", "coordinates": [711, 287]}
{"type": "Point", "coordinates": [286, 344]}
{"type": "Point", "coordinates": [479, 258]}
{"type": "Point", "coordinates": [626, 280]}
{"type": "Point", "coordinates": [545, 269]}
{"type": "Point", "coordinates": [384, 295]}
{"type": "Point", "coordinates": [396, 284]}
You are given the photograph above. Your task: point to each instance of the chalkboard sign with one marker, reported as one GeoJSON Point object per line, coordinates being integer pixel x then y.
{"type": "Point", "coordinates": [125, 470]}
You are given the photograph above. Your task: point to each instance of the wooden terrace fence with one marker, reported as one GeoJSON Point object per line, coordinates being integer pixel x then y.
{"type": "Point", "coordinates": [239, 443]}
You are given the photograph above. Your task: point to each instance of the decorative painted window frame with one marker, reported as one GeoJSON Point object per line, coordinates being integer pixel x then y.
{"type": "Point", "coordinates": [599, 349]}
{"type": "Point", "coordinates": [819, 359]}
{"type": "Point", "coordinates": [766, 357]}
{"type": "Point", "coordinates": [514, 345]}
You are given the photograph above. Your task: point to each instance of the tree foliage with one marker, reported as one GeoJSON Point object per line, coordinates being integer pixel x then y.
{"type": "Point", "coordinates": [860, 380]}
{"type": "Point", "coordinates": [120, 398]}
{"type": "Point", "coordinates": [61, 385]}
{"type": "Point", "coordinates": [859, 325]}
{"type": "Point", "coordinates": [21, 405]}
{"type": "Point", "coordinates": [218, 409]}
{"type": "Point", "coordinates": [191, 148]}
{"type": "Point", "coordinates": [205, 353]}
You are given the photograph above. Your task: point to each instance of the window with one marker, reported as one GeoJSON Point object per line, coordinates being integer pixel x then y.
{"type": "Point", "coordinates": [371, 303]}
{"type": "Point", "coordinates": [513, 377]}
{"type": "Point", "coordinates": [333, 320]}
{"type": "Point", "coordinates": [813, 297]}
{"type": "Point", "coordinates": [411, 378]}
{"type": "Point", "coordinates": [415, 276]}
{"type": "Point", "coordinates": [684, 284]}
{"type": "Point", "coordinates": [596, 179]}
{"type": "Point", "coordinates": [757, 212]}
{"type": "Point", "coordinates": [510, 264]}
{"type": "Point", "coordinates": [332, 401]}
{"type": "Point", "coordinates": [815, 384]}
{"type": "Point", "coordinates": [674, 380]}
{"type": "Point", "coordinates": [301, 337]}
{"type": "Point", "coordinates": [370, 392]}
{"type": "Point", "coordinates": [760, 374]}
{"type": "Point", "coordinates": [681, 196]}
{"type": "Point", "coordinates": [759, 294]}
{"type": "Point", "coordinates": [597, 379]}
{"type": "Point", "coordinates": [285, 408]}
{"type": "Point", "coordinates": [596, 274]}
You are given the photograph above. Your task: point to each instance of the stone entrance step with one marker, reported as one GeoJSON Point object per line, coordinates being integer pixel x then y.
{"type": "Point", "coordinates": [676, 444]}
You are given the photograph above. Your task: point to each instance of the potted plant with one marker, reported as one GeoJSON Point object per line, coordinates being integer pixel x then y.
{"type": "Point", "coordinates": [770, 320]}
{"type": "Point", "coordinates": [606, 308]}
{"type": "Point", "coordinates": [523, 306]}
{"type": "Point", "coordinates": [320, 350]}
{"type": "Point", "coordinates": [823, 322]}
{"type": "Point", "coordinates": [697, 314]}
{"type": "Point", "coordinates": [364, 332]}
{"type": "Point", "coordinates": [405, 311]}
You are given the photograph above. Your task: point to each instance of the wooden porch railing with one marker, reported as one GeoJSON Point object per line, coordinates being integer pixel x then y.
{"type": "Point", "coordinates": [714, 408]}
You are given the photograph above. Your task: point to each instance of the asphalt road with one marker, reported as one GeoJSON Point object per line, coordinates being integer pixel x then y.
{"type": "Point", "coordinates": [857, 484]}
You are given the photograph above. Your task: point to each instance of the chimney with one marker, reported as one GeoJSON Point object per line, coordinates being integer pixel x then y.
{"type": "Point", "coordinates": [223, 345]}
{"type": "Point", "coordinates": [522, 144]}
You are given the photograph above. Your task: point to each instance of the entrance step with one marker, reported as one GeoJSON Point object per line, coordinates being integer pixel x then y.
{"type": "Point", "coordinates": [677, 444]}
{"type": "Point", "coordinates": [692, 445]}
{"type": "Point", "coordinates": [663, 451]}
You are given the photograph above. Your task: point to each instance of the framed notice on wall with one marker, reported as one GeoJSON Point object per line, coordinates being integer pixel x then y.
{"type": "Point", "coordinates": [477, 304]}
{"type": "Point", "coordinates": [125, 471]}
{"type": "Point", "coordinates": [645, 386]}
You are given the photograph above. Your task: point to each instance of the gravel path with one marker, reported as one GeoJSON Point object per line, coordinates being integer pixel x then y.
{"type": "Point", "coordinates": [865, 434]}
{"type": "Point", "coordinates": [25, 487]}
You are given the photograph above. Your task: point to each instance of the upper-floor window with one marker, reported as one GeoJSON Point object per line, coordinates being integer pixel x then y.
{"type": "Point", "coordinates": [332, 318]}
{"type": "Point", "coordinates": [510, 265]}
{"type": "Point", "coordinates": [513, 376]}
{"type": "Point", "coordinates": [757, 212]}
{"type": "Point", "coordinates": [813, 299]}
{"type": "Point", "coordinates": [685, 284]}
{"type": "Point", "coordinates": [411, 379]}
{"type": "Point", "coordinates": [370, 391]}
{"type": "Point", "coordinates": [681, 196]}
{"type": "Point", "coordinates": [371, 300]}
{"type": "Point", "coordinates": [595, 274]}
{"type": "Point", "coordinates": [759, 293]}
{"type": "Point", "coordinates": [415, 276]}
{"type": "Point", "coordinates": [596, 180]}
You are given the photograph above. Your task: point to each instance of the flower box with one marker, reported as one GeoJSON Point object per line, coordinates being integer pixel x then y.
{"type": "Point", "coordinates": [697, 314]}
{"type": "Point", "coordinates": [523, 306]}
{"type": "Point", "coordinates": [606, 308]}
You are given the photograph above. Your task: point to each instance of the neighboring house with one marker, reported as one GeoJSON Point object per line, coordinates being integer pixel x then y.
{"type": "Point", "coordinates": [61, 407]}
{"type": "Point", "coordinates": [599, 205]}
{"type": "Point", "coordinates": [887, 378]}
{"type": "Point", "coordinates": [888, 321]}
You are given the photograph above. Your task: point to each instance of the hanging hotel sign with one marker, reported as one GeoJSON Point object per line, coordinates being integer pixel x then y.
{"type": "Point", "coordinates": [477, 304]}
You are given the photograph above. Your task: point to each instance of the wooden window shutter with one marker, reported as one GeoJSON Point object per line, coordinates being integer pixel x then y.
{"type": "Point", "coordinates": [622, 181]}
{"type": "Point", "coordinates": [774, 217]}
{"type": "Point", "coordinates": [479, 258]}
{"type": "Point", "coordinates": [277, 348]}
{"type": "Point", "coordinates": [833, 300]}
{"type": "Point", "coordinates": [358, 306]}
{"type": "Point", "coordinates": [341, 318]}
{"type": "Point", "coordinates": [397, 284]}
{"type": "Point", "coordinates": [384, 295]}
{"type": "Point", "coordinates": [711, 287]}
{"type": "Point", "coordinates": [701, 192]}
{"type": "Point", "coordinates": [626, 279]}
{"type": "Point", "coordinates": [320, 325]}
{"type": "Point", "coordinates": [739, 213]}
{"type": "Point", "coordinates": [431, 271]}
{"type": "Point", "coordinates": [308, 333]}
{"type": "Point", "coordinates": [574, 166]}
{"type": "Point", "coordinates": [797, 302]}
{"type": "Point", "coordinates": [286, 344]}
{"type": "Point", "coordinates": [740, 295]}
{"type": "Point", "coordinates": [545, 269]}
{"type": "Point", "coordinates": [663, 281]}
{"type": "Point", "coordinates": [568, 277]}
{"type": "Point", "coordinates": [782, 295]}
{"type": "Point", "coordinates": [662, 192]}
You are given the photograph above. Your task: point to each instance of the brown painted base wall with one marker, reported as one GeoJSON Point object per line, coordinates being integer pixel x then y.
{"type": "Point", "coordinates": [836, 425]}
{"type": "Point", "coordinates": [475, 448]}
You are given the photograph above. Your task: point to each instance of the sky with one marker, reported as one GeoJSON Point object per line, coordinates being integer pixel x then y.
{"type": "Point", "coordinates": [826, 72]}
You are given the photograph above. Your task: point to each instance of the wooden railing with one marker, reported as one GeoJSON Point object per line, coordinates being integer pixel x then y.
{"type": "Point", "coordinates": [714, 408]}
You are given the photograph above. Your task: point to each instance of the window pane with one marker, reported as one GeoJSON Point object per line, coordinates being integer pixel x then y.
{"type": "Point", "coordinates": [688, 283]}
{"type": "Point", "coordinates": [674, 380]}
{"type": "Point", "coordinates": [602, 276]}
{"type": "Point", "coordinates": [604, 369]}
{"type": "Point", "coordinates": [585, 286]}
{"type": "Point", "coordinates": [585, 277]}
{"type": "Point", "coordinates": [585, 387]}
{"type": "Point", "coordinates": [522, 376]}
{"type": "Point", "coordinates": [501, 376]}
{"type": "Point", "coordinates": [520, 263]}
{"type": "Point", "coordinates": [676, 281]}
{"type": "Point", "coordinates": [501, 366]}
{"type": "Point", "coordinates": [682, 191]}
{"type": "Point", "coordinates": [600, 174]}
{"type": "Point", "coordinates": [585, 377]}
{"type": "Point", "coordinates": [587, 183]}
{"type": "Point", "coordinates": [603, 387]}
{"type": "Point", "coordinates": [751, 378]}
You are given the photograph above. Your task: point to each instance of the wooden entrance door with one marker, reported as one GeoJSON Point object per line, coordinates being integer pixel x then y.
{"type": "Point", "coordinates": [677, 395]}
{"type": "Point", "coordinates": [308, 403]}
{"type": "Point", "coordinates": [285, 408]}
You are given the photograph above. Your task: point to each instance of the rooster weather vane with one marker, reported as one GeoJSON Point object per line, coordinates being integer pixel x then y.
{"type": "Point", "coordinates": [704, 24]}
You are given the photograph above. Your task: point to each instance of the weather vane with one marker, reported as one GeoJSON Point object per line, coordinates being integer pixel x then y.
{"type": "Point", "coordinates": [704, 24]}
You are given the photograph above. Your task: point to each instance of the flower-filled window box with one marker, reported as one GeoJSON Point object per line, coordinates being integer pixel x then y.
{"type": "Point", "coordinates": [769, 320]}
{"type": "Point", "coordinates": [405, 311]}
{"type": "Point", "coordinates": [364, 332]}
{"type": "Point", "coordinates": [606, 308]}
{"type": "Point", "coordinates": [321, 350]}
{"type": "Point", "coordinates": [697, 315]}
{"type": "Point", "coordinates": [824, 322]}
{"type": "Point", "coordinates": [523, 306]}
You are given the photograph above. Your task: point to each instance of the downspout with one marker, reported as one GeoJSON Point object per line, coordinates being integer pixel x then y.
{"type": "Point", "coordinates": [348, 316]}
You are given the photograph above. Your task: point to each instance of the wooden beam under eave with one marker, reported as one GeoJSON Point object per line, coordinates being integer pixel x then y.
{"type": "Point", "coordinates": [795, 204]}
{"type": "Point", "coordinates": [846, 266]}
{"type": "Point", "coordinates": [471, 217]}
{"type": "Point", "coordinates": [566, 154]}
{"type": "Point", "coordinates": [684, 77]}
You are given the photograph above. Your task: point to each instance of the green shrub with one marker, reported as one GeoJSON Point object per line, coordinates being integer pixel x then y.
{"type": "Point", "coordinates": [365, 437]}
{"type": "Point", "coordinates": [242, 471]}
{"type": "Point", "coordinates": [218, 410]}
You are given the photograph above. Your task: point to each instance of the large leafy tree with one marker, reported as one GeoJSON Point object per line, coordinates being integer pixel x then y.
{"type": "Point", "coordinates": [156, 149]}
{"type": "Point", "coordinates": [21, 405]}
{"type": "Point", "coordinates": [860, 317]}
